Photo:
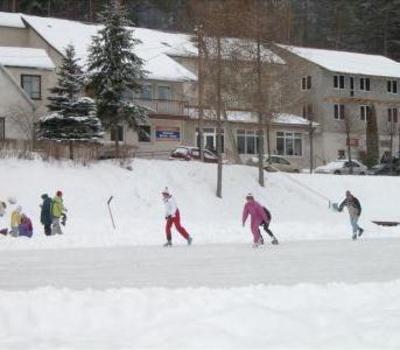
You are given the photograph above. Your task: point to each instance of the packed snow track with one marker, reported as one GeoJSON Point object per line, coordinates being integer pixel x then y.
{"type": "Point", "coordinates": [228, 265]}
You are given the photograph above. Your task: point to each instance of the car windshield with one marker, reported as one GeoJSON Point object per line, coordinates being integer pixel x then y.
{"type": "Point", "coordinates": [181, 150]}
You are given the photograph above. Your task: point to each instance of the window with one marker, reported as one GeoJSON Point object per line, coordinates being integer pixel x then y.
{"type": "Point", "coordinates": [2, 129]}
{"type": "Point", "coordinates": [147, 92]}
{"type": "Point", "coordinates": [338, 111]}
{"type": "Point", "coordinates": [308, 111]}
{"type": "Point", "coordinates": [365, 84]}
{"type": "Point", "coordinates": [32, 85]}
{"type": "Point", "coordinates": [210, 139]}
{"type": "Point", "coordinates": [306, 83]}
{"type": "Point", "coordinates": [392, 115]}
{"type": "Point", "coordinates": [119, 132]}
{"type": "Point", "coordinates": [289, 144]}
{"type": "Point", "coordinates": [164, 92]}
{"type": "Point", "coordinates": [338, 81]}
{"type": "Point", "coordinates": [144, 133]}
{"type": "Point", "coordinates": [341, 154]}
{"type": "Point", "coordinates": [247, 142]}
{"type": "Point", "coordinates": [364, 110]}
{"type": "Point", "coordinates": [392, 86]}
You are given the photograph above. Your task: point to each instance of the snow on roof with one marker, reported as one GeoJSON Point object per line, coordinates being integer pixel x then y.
{"type": "Point", "coordinates": [252, 118]}
{"type": "Point", "coordinates": [8, 19]}
{"type": "Point", "coordinates": [349, 62]}
{"type": "Point", "coordinates": [153, 49]}
{"type": "Point", "coordinates": [25, 57]}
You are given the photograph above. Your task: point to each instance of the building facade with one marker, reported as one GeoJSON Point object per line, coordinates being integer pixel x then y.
{"type": "Point", "coordinates": [315, 94]}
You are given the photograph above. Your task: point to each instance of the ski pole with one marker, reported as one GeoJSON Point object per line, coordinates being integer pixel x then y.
{"type": "Point", "coordinates": [109, 210]}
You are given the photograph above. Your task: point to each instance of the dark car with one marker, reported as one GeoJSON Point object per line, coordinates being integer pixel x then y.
{"type": "Point", "coordinates": [192, 153]}
{"type": "Point", "coordinates": [385, 169]}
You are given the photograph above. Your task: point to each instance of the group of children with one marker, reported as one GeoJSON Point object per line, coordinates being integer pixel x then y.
{"type": "Point", "coordinates": [51, 216]}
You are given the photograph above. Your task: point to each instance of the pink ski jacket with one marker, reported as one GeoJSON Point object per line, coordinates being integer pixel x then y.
{"type": "Point", "coordinates": [256, 211]}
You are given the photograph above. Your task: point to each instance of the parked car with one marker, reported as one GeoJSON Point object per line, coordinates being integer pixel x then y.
{"type": "Point", "coordinates": [342, 167]}
{"type": "Point", "coordinates": [384, 169]}
{"type": "Point", "coordinates": [192, 153]}
{"type": "Point", "coordinates": [276, 163]}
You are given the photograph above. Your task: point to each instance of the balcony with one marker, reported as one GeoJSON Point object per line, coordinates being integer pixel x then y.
{"type": "Point", "coordinates": [163, 107]}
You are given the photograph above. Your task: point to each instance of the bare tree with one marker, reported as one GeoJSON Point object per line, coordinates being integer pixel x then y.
{"type": "Point", "coordinates": [23, 120]}
{"type": "Point", "coordinates": [216, 20]}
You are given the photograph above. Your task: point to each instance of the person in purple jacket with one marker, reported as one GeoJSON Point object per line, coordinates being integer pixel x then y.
{"type": "Point", "coordinates": [258, 216]}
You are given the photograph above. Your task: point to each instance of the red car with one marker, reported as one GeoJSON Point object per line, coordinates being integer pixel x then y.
{"type": "Point", "coordinates": [192, 153]}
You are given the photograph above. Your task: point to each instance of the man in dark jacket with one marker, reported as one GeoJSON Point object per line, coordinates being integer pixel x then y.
{"type": "Point", "coordinates": [354, 207]}
{"type": "Point", "coordinates": [45, 214]}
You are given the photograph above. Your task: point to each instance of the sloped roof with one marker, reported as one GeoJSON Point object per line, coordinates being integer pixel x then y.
{"type": "Point", "coordinates": [249, 117]}
{"type": "Point", "coordinates": [12, 20]}
{"type": "Point", "coordinates": [153, 49]}
{"type": "Point", "coordinates": [349, 62]}
{"type": "Point", "coordinates": [25, 57]}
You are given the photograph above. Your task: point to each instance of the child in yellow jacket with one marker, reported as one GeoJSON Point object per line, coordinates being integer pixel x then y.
{"type": "Point", "coordinates": [15, 221]}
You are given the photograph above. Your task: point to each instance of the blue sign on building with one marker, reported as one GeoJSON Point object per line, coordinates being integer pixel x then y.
{"type": "Point", "coordinates": [168, 133]}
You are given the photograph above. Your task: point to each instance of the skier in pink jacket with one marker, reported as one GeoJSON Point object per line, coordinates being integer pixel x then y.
{"type": "Point", "coordinates": [258, 216]}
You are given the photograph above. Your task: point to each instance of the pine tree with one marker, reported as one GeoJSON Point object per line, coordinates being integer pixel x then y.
{"type": "Point", "coordinates": [69, 82]}
{"type": "Point", "coordinates": [74, 117]}
{"type": "Point", "coordinates": [114, 68]}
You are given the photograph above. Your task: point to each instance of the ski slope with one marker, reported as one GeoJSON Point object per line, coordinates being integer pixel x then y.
{"type": "Point", "coordinates": [99, 288]}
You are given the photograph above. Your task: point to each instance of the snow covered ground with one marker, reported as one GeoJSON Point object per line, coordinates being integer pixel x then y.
{"type": "Point", "coordinates": [297, 213]}
{"type": "Point", "coordinates": [96, 288]}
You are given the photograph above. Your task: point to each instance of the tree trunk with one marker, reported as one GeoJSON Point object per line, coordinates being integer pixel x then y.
{"type": "Point", "coordinates": [391, 145]}
{"type": "Point", "coordinates": [348, 141]}
{"type": "Point", "coordinates": [311, 140]}
{"type": "Point", "coordinates": [71, 149]}
{"type": "Point", "coordinates": [269, 137]}
{"type": "Point", "coordinates": [117, 153]}
{"type": "Point", "coordinates": [219, 124]}
{"type": "Point", "coordinates": [201, 91]}
{"type": "Point", "coordinates": [260, 118]}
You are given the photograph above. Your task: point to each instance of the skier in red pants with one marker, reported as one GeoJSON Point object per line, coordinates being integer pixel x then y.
{"type": "Point", "coordinates": [172, 216]}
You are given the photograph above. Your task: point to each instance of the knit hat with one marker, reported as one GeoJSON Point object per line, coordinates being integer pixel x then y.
{"type": "Point", "coordinates": [249, 196]}
{"type": "Point", "coordinates": [165, 192]}
{"type": "Point", "coordinates": [59, 193]}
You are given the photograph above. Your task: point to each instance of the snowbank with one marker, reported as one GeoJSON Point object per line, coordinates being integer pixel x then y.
{"type": "Point", "coordinates": [332, 316]}
{"type": "Point", "coordinates": [139, 213]}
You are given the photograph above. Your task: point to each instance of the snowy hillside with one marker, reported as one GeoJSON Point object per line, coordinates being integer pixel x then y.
{"type": "Point", "coordinates": [297, 213]}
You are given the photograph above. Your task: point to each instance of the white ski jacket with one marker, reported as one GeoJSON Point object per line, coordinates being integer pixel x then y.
{"type": "Point", "coordinates": [170, 206]}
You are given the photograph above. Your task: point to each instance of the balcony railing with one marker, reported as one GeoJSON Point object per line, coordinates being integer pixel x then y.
{"type": "Point", "coordinates": [165, 107]}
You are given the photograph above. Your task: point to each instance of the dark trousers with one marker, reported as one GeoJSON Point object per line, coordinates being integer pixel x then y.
{"type": "Point", "coordinates": [266, 229]}
{"type": "Point", "coordinates": [47, 229]}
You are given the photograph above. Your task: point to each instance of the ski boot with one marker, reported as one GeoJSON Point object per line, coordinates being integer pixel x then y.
{"type": "Point", "coordinates": [360, 232]}
{"type": "Point", "coordinates": [189, 240]}
{"type": "Point", "coordinates": [168, 244]}
{"type": "Point", "coordinates": [274, 241]}
{"type": "Point", "coordinates": [354, 236]}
